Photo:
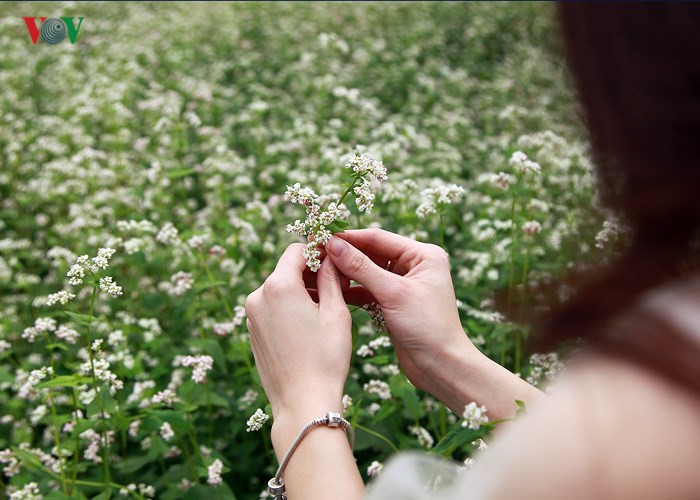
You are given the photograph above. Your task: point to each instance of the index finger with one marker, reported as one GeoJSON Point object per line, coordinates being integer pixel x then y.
{"type": "Point", "coordinates": [380, 243]}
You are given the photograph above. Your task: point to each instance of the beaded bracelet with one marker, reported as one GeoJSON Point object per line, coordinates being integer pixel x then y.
{"type": "Point", "coordinates": [332, 419]}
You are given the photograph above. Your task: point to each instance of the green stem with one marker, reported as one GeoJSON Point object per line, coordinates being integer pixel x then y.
{"type": "Point", "coordinates": [52, 406]}
{"type": "Point", "coordinates": [377, 435]}
{"type": "Point", "coordinates": [100, 402]}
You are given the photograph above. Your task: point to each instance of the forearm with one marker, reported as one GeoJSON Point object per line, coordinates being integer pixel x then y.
{"type": "Point", "coordinates": [464, 375]}
{"type": "Point", "coordinates": [323, 465]}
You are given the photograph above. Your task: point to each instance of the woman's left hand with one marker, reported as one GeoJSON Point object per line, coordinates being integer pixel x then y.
{"type": "Point", "coordinates": [302, 348]}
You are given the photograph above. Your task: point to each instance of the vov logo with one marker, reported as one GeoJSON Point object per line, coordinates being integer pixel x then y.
{"type": "Point", "coordinates": [54, 29]}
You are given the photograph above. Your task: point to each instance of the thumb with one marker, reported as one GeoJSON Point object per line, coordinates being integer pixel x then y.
{"type": "Point", "coordinates": [328, 283]}
{"type": "Point", "coordinates": [357, 266]}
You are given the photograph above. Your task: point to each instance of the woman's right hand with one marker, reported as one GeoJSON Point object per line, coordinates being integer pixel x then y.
{"type": "Point", "coordinates": [411, 282]}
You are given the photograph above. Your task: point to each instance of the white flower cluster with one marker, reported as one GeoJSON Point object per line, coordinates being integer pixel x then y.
{"type": "Point", "coordinates": [62, 296]}
{"type": "Point", "coordinates": [424, 437]}
{"type": "Point", "coordinates": [83, 264]}
{"type": "Point", "coordinates": [166, 431]}
{"type": "Point", "coordinates": [365, 168]}
{"type": "Point", "coordinates": [201, 365]}
{"type": "Point", "coordinates": [523, 164]}
{"type": "Point", "coordinates": [29, 491]}
{"type": "Point", "coordinates": [544, 367]}
{"type": "Point", "coordinates": [12, 467]}
{"type": "Point", "coordinates": [531, 227]}
{"type": "Point", "coordinates": [41, 325]}
{"type": "Point", "coordinates": [101, 368]}
{"type": "Point", "coordinates": [474, 416]}
{"type": "Point", "coordinates": [437, 197]}
{"type": "Point", "coordinates": [108, 285]}
{"type": "Point", "coordinates": [179, 283]}
{"type": "Point", "coordinates": [142, 490]}
{"type": "Point", "coordinates": [214, 472]}
{"type": "Point", "coordinates": [320, 223]}
{"type": "Point", "coordinates": [378, 387]}
{"type": "Point", "coordinates": [257, 420]}
{"type": "Point", "coordinates": [374, 468]}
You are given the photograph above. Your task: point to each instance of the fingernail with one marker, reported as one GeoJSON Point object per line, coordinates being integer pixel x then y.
{"type": "Point", "coordinates": [337, 246]}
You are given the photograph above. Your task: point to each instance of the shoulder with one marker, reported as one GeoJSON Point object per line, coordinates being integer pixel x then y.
{"type": "Point", "coordinates": [610, 429]}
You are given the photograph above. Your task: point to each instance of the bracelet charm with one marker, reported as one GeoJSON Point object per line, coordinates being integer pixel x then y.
{"type": "Point", "coordinates": [332, 419]}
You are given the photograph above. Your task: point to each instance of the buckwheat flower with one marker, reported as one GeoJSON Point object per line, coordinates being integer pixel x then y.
{"type": "Point", "coordinates": [364, 197]}
{"type": "Point", "coordinates": [167, 397]}
{"type": "Point", "coordinates": [101, 261]}
{"type": "Point", "coordinates": [4, 345]}
{"type": "Point", "coordinates": [62, 296]}
{"type": "Point", "coordinates": [12, 467]}
{"type": "Point", "coordinates": [379, 342]}
{"type": "Point", "coordinates": [531, 227]}
{"type": "Point", "coordinates": [377, 318]}
{"type": "Point", "coordinates": [168, 235]}
{"type": "Point", "coordinates": [544, 368]}
{"type": "Point", "coordinates": [257, 420]}
{"type": "Point", "coordinates": [474, 416]}
{"type": "Point", "coordinates": [247, 399]}
{"type": "Point", "coordinates": [185, 484]}
{"type": "Point", "coordinates": [166, 431]}
{"type": "Point", "coordinates": [214, 473]}
{"type": "Point", "coordinates": [501, 180]}
{"type": "Point", "coordinates": [311, 254]}
{"type": "Point", "coordinates": [522, 163]}
{"type": "Point", "coordinates": [374, 468]}
{"type": "Point", "coordinates": [134, 428]}
{"type": "Point", "coordinates": [377, 387]}
{"type": "Point", "coordinates": [347, 402]}
{"type": "Point", "coordinates": [29, 491]}
{"type": "Point", "coordinates": [109, 286]}
{"type": "Point", "coordinates": [133, 245]}
{"type": "Point", "coordinates": [424, 437]}
{"type": "Point", "coordinates": [364, 351]}
{"type": "Point", "coordinates": [364, 164]}
{"type": "Point", "coordinates": [437, 197]}
{"type": "Point", "coordinates": [201, 365]}
{"type": "Point", "coordinates": [76, 274]}
{"type": "Point", "coordinates": [182, 282]}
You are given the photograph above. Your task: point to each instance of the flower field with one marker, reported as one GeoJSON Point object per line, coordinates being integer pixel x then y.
{"type": "Point", "coordinates": [143, 173]}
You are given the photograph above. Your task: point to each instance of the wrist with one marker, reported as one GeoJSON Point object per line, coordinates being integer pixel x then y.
{"type": "Point", "coordinates": [453, 366]}
{"type": "Point", "coordinates": [289, 419]}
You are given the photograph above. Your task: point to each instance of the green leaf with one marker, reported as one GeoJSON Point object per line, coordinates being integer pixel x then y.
{"type": "Point", "coordinates": [82, 319]}
{"type": "Point", "coordinates": [341, 223]}
{"type": "Point", "coordinates": [64, 381]}
{"type": "Point", "coordinates": [57, 346]}
{"type": "Point", "coordinates": [180, 172]}
{"type": "Point", "coordinates": [207, 286]}
{"type": "Point", "coordinates": [6, 376]}
{"type": "Point", "coordinates": [408, 395]}
{"type": "Point", "coordinates": [457, 437]}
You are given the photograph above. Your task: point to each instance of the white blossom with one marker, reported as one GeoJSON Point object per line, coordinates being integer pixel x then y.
{"type": "Point", "coordinates": [474, 416]}
{"type": "Point", "coordinates": [257, 420]}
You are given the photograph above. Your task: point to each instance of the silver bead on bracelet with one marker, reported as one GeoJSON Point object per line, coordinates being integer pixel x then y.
{"type": "Point", "coordinates": [331, 419]}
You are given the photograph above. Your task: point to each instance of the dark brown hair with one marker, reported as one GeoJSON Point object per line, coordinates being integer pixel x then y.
{"type": "Point", "coordinates": [637, 73]}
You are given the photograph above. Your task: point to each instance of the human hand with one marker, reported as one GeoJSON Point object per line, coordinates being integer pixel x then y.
{"type": "Point", "coordinates": [416, 296]}
{"type": "Point", "coordinates": [302, 348]}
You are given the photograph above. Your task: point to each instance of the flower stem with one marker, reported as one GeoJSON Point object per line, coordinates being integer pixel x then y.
{"type": "Point", "coordinates": [100, 402]}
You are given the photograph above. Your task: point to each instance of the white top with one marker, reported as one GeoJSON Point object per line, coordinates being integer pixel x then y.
{"type": "Point", "coordinates": [579, 445]}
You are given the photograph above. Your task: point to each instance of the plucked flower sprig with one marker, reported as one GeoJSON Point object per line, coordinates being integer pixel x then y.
{"type": "Point", "coordinates": [321, 223]}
